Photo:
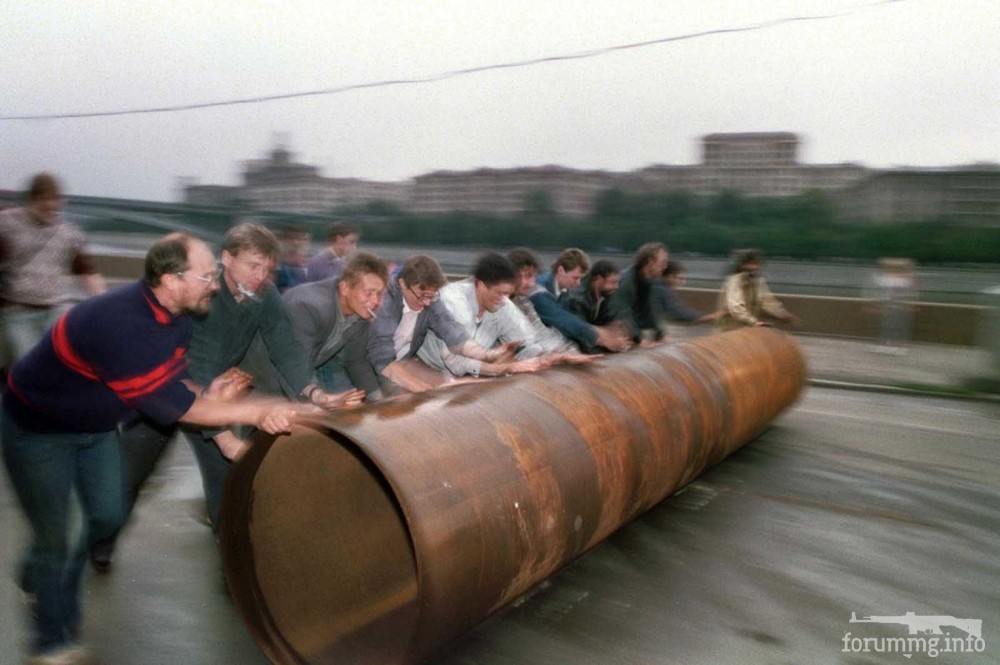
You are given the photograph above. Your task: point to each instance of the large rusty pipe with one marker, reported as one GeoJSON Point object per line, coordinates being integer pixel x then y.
{"type": "Point", "coordinates": [388, 530]}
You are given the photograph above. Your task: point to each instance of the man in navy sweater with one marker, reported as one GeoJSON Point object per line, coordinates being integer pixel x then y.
{"type": "Point", "coordinates": [109, 356]}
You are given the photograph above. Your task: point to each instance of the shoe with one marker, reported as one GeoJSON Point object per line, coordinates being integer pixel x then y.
{"type": "Point", "coordinates": [71, 654]}
{"type": "Point", "coordinates": [101, 556]}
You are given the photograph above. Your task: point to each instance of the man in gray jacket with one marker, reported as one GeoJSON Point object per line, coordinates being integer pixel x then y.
{"type": "Point", "coordinates": [331, 318]}
{"type": "Point", "coordinates": [412, 308]}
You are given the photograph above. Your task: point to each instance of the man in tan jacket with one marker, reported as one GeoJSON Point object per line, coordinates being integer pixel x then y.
{"type": "Point", "coordinates": [745, 298]}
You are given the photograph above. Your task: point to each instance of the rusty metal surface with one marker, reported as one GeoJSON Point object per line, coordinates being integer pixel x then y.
{"type": "Point", "coordinates": [389, 530]}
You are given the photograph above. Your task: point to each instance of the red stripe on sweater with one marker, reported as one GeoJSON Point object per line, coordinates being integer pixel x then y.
{"type": "Point", "coordinates": [65, 352]}
{"type": "Point", "coordinates": [135, 383]}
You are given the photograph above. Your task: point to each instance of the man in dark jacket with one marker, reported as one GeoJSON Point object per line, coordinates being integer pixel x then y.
{"type": "Point", "coordinates": [553, 311]}
{"type": "Point", "coordinates": [634, 304]}
{"type": "Point", "coordinates": [590, 301]}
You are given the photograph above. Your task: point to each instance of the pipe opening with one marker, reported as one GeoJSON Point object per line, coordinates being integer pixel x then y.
{"type": "Point", "coordinates": [333, 557]}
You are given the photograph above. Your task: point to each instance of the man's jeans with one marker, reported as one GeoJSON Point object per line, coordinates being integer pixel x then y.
{"type": "Point", "coordinates": [23, 327]}
{"type": "Point", "coordinates": [214, 469]}
{"type": "Point", "coordinates": [44, 468]}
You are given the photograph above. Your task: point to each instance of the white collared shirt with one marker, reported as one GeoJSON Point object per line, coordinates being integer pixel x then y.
{"type": "Point", "coordinates": [507, 324]}
{"type": "Point", "coordinates": [403, 337]}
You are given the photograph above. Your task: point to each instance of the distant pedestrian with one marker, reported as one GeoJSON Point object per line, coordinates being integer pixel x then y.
{"type": "Point", "coordinates": [294, 256]}
{"type": "Point", "coordinates": [40, 253]}
{"type": "Point", "coordinates": [330, 262]}
{"type": "Point", "coordinates": [894, 290]}
{"type": "Point", "coordinates": [745, 299]}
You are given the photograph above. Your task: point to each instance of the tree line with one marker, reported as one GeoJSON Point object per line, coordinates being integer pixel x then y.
{"type": "Point", "coordinates": [805, 226]}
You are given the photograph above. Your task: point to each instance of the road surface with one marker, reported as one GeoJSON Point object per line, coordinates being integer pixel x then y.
{"type": "Point", "coordinates": [851, 502]}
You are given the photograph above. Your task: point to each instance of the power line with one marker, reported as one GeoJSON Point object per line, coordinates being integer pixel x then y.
{"type": "Point", "coordinates": [434, 78]}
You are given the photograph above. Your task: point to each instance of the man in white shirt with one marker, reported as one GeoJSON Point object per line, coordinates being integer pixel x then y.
{"type": "Point", "coordinates": [411, 308]}
{"type": "Point", "coordinates": [481, 306]}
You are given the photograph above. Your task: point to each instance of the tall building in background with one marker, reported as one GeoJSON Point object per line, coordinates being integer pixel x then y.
{"type": "Point", "coordinates": [969, 194]}
{"type": "Point", "coordinates": [565, 191]}
{"type": "Point", "coordinates": [752, 163]}
{"type": "Point", "coordinates": [280, 184]}
{"type": "Point", "coordinates": [764, 164]}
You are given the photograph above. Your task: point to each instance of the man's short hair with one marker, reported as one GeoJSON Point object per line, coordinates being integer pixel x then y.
{"type": "Point", "coordinates": [253, 238]}
{"type": "Point", "coordinates": [43, 186]}
{"type": "Point", "coordinates": [673, 268]}
{"type": "Point", "coordinates": [422, 270]}
{"type": "Point", "coordinates": [290, 231]}
{"type": "Point", "coordinates": [362, 264]}
{"type": "Point", "coordinates": [647, 254]}
{"type": "Point", "coordinates": [522, 258]}
{"type": "Point", "coordinates": [492, 269]}
{"type": "Point", "coordinates": [168, 255]}
{"type": "Point", "coordinates": [570, 259]}
{"type": "Point", "coordinates": [742, 257]}
{"type": "Point", "coordinates": [341, 229]}
{"type": "Point", "coordinates": [603, 268]}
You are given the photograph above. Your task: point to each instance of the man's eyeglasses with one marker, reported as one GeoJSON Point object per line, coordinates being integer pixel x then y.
{"type": "Point", "coordinates": [207, 278]}
{"type": "Point", "coordinates": [427, 297]}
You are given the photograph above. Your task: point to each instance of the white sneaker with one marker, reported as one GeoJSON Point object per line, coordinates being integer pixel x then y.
{"type": "Point", "coordinates": [72, 654]}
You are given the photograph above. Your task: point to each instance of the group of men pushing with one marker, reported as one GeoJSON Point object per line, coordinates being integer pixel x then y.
{"type": "Point", "coordinates": [91, 406]}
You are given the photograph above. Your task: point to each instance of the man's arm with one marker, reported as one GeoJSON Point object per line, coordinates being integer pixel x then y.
{"type": "Point", "coordinates": [436, 353]}
{"type": "Point", "coordinates": [270, 415]}
{"type": "Point", "coordinates": [770, 304]}
{"type": "Point", "coordinates": [443, 324]}
{"type": "Point", "coordinates": [356, 365]}
{"type": "Point", "coordinates": [674, 307]}
{"type": "Point", "coordinates": [556, 316]}
{"type": "Point", "coordinates": [290, 332]}
{"type": "Point", "coordinates": [83, 266]}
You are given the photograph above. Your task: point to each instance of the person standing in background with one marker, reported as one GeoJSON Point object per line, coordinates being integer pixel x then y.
{"type": "Point", "coordinates": [294, 257]}
{"type": "Point", "coordinates": [343, 241]}
{"type": "Point", "coordinates": [39, 255]}
{"type": "Point", "coordinates": [894, 290]}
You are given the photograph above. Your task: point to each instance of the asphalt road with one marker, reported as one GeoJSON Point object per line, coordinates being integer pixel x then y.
{"type": "Point", "coordinates": [851, 502]}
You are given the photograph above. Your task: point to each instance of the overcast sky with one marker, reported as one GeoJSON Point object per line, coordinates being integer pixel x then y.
{"type": "Point", "coordinates": [916, 82]}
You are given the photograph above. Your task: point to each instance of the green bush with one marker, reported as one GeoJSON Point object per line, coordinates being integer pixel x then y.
{"type": "Point", "coordinates": [803, 226]}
